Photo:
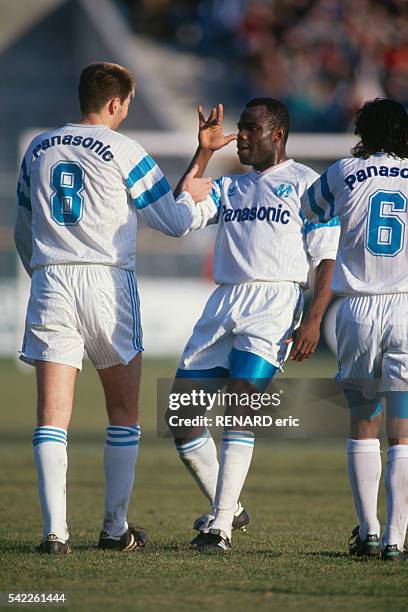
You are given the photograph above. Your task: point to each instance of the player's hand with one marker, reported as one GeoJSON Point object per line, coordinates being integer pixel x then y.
{"type": "Point", "coordinates": [305, 340]}
{"type": "Point", "coordinates": [210, 134]}
{"type": "Point", "coordinates": [198, 188]}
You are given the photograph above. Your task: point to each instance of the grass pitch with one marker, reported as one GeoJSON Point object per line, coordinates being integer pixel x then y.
{"type": "Point", "coordinates": [293, 555]}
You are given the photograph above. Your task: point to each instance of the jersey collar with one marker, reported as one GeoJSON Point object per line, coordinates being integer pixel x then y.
{"type": "Point", "coordinates": [272, 169]}
{"type": "Point", "coordinates": [86, 125]}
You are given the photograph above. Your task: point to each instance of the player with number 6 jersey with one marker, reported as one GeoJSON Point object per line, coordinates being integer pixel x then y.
{"type": "Point", "coordinates": [369, 194]}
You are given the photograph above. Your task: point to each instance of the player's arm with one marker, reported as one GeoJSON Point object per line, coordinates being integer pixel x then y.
{"type": "Point", "coordinates": [22, 227]}
{"type": "Point", "coordinates": [321, 242]}
{"type": "Point", "coordinates": [306, 337]}
{"type": "Point", "coordinates": [151, 194]}
{"type": "Point", "coordinates": [210, 139]}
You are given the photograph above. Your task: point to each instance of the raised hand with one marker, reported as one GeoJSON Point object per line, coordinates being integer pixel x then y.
{"type": "Point", "coordinates": [210, 134]}
{"type": "Point", "coordinates": [198, 188]}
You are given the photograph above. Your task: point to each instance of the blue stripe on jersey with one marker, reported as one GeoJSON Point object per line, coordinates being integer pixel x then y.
{"type": "Point", "coordinates": [153, 194]}
{"type": "Point", "coordinates": [216, 197]}
{"type": "Point", "coordinates": [313, 205]}
{"type": "Point", "coordinates": [310, 227]}
{"type": "Point", "coordinates": [140, 170]}
{"type": "Point", "coordinates": [22, 199]}
{"type": "Point", "coordinates": [215, 194]}
{"type": "Point", "coordinates": [26, 176]}
{"type": "Point", "coordinates": [327, 194]}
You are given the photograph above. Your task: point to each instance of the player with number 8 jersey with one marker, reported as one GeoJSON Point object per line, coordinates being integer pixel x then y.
{"type": "Point", "coordinates": [78, 192]}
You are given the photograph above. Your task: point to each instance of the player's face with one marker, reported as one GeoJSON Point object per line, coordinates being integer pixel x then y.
{"type": "Point", "coordinates": [257, 143]}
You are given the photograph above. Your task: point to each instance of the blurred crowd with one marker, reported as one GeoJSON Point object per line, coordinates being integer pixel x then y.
{"type": "Point", "coordinates": [322, 57]}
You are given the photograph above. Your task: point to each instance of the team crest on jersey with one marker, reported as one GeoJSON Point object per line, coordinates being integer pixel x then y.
{"type": "Point", "coordinates": [283, 190]}
{"type": "Point", "coordinates": [232, 190]}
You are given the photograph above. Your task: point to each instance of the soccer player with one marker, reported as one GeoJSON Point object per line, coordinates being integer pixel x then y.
{"type": "Point", "coordinates": [78, 192]}
{"type": "Point", "coordinates": [263, 252]}
{"type": "Point", "coordinates": [369, 194]}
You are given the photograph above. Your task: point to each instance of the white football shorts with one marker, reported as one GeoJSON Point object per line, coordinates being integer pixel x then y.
{"type": "Point", "coordinates": [255, 317]}
{"type": "Point", "coordinates": [372, 343]}
{"type": "Point", "coordinates": [73, 308]}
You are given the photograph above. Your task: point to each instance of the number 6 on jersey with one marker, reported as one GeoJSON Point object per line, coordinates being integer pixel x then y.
{"type": "Point", "coordinates": [67, 182]}
{"type": "Point", "coordinates": [386, 229]}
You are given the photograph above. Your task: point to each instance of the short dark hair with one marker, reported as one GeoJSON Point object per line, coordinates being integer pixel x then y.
{"type": "Point", "coordinates": [382, 125]}
{"type": "Point", "coordinates": [101, 82]}
{"type": "Point", "coordinates": [278, 113]}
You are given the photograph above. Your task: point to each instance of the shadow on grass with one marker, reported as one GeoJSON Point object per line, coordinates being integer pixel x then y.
{"type": "Point", "coordinates": [325, 553]}
{"type": "Point", "coordinates": [338, 555]}
{"type": "Point", "coordinates": [26, 548]}
{"type": "Point", "coordinates": [185, 548]}
{"type": "Point", "coordinates": [17, 547]}
{"type": "Point", "coordinates": [85, 547]}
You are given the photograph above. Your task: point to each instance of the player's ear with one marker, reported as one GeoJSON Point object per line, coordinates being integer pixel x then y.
{"type": "Point", "coordinates": [278, 134]}
{"type": "Point", "coordinates": [113, 106]}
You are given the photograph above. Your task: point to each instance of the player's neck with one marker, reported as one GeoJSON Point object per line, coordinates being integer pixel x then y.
{"type": "Point", "coordinates": [95, 119]}
{"type": "Point", "coordinates": [271, 163]}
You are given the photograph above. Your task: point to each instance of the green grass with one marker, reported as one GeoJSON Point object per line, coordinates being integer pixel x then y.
{"type": "Point", "coordinates": [292, 557]}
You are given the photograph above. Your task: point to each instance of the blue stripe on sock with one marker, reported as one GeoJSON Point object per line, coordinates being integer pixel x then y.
{"type": "Point", "coordinates": [237, 432]}
{"type": "Point", "coordinates": [129, 443]}
{"type": "Point", "coordinates": [124, 427]}
{"type": "Point", "coordinates": [204, 435]}
{"type": "Point", "coordinates": [123, 435]}
{"type": "Point", "coordinates": [238, 441]}
{"type": "Point", "coordinates": [50, 434]}
{"type": "Point", "coordinates": [241, 437]}
{"type": "Point", "coordinates": [184, 449]}
{"type": "Point", "coordinates": [123, 431]}
{"type": "Point", "coordinates": [47, 428]}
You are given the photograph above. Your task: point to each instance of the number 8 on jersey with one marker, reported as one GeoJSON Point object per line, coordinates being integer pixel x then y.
{"type": "Point", "coordinates": [67, 182]}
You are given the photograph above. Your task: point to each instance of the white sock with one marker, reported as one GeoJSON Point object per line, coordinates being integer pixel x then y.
{"type": "Point", "coordinates": [396, 483]}
{"type": "Point", "coordinates": [200, 458]}
{"type": "Point", "coordinates": [121, 450]}
{"type": "Point", "coordinates": [364, 469]}
{"type": "Point", "coordinates": [50, 453]}
{"type": "Point", "coordinates": [236, 454]}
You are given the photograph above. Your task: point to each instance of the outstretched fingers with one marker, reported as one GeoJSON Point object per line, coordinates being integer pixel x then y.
{"type": "Point", "coordinates": [201, 117]}
{"type": "Point", "coordinates": [220, 114]}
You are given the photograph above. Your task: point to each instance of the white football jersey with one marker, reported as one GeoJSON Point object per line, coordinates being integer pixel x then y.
{"type": "Point", "coordinates": [262, 235]}
{"type": "Point", "coordinates": [78, 192]}
{"type": "Point", "coordinates": [370, 198]}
